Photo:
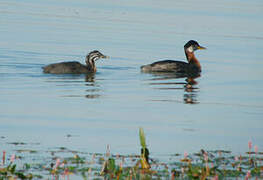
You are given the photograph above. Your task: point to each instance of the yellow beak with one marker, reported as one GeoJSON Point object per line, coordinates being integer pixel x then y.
{"type": "Point", "coordinates": [201, 47]}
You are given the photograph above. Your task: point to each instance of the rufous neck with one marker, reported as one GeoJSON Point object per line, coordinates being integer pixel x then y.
{"type": "Point", "coordinates": [190, 56]}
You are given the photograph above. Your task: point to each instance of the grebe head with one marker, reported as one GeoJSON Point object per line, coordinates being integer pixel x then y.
{"type": "Point", "coordinates": [192, 46]}
{"type": "Point", "coordinates": [94, 55]}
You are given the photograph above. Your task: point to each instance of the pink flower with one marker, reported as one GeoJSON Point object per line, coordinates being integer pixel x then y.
{"type": "Point", "coordinates": [215, 178]}
{"type": "Point", "coordinates": [185, 154]}
{"type": "Point", "coordinates": [248, 174]}
{"type": "Point", "coordinates": [236, 158]}
{"type": "Point", "coordinates": [249, 144]}
{"type": "Point", "coordinates": [66, 171]}
{"type": "Point", "coordinates": [172, 176]}
{"type": "Point", "coordinates": [182, 170]}
{"type": "Point", "coordinates": [62, 165]}
{"type": "Point", "coordinates": [205, 156]}
{"type": "Point", "coordinates": [57, 163]}
{"type": "Point", "coordinates": [3, 157]}
{"type": "Point", "coordinates": [13, 157]}
{"type": "Point", "coordinates": [256, 149]}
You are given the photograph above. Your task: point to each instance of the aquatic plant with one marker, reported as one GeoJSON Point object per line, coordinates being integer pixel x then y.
{"type": "Point", "coordinates": [144, 151]}
{"type": "Point", "coordinates": [67, 164]}
{"type": "Point", "coordinates": [10, 171]}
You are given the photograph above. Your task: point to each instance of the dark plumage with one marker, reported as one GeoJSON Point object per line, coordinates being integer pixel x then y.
{"type": "Point", "coordinates": [190, 67]}
{"type": "Point", "coordinates": [75, 67]}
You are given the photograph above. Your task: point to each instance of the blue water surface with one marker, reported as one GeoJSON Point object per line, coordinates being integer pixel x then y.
{"type": "Point", "coordinates": [224, 110]}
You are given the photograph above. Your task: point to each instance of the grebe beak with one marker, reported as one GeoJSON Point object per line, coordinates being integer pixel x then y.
{"type": "Point", "coordinates": [201, 47]}
{"type": "Point", "coordinates": [105, 57]}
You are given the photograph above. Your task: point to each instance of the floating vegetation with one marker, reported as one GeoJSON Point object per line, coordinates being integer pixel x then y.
{"type": "Point", "coordinates": [26, 151]}
{"type": "Point", "coordinates": [17, 143]}
{"type": "Point", "coordinates": [65, 163]}
{"type": "Point", "coordinates": [10, 171]}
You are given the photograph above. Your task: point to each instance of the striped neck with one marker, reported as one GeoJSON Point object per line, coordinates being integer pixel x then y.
{"type": "Point", "coordinates": [90, 61]}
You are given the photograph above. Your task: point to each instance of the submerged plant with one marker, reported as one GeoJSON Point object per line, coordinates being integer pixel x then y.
{"type": "Point", "coordinates": [144, 151]}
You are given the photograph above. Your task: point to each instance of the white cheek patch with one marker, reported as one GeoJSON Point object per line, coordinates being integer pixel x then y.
{"type": "Point", "coordinates": [94, 57]}
{"type": "Point", "coordinates": [190, 49]}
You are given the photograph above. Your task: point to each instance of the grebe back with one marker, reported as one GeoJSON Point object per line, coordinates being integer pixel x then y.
{"type": "Point", "coordinates": [75, 67]}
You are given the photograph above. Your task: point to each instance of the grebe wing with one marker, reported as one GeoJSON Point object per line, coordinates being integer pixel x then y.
{"type": "Point", "coordinates": [165, 66]}
{"type": "Point", "coordinates": [72, 67]}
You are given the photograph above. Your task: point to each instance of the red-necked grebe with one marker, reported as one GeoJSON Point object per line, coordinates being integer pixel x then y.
{"type": "Point", "coordinates": [75, 67]}
{"type": "Point", "coordinates": [192, 67]}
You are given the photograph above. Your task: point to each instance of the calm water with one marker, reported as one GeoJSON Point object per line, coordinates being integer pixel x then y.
{"type": "Point", "coordinates": [223, 110]}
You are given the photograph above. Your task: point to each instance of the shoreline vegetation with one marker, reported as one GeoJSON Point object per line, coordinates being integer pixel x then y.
{"type": "Point", "coordinates": [67, 164]}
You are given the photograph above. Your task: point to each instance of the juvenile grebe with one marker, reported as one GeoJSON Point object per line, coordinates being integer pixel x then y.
{"type": "Point", "coordinates": [75, 67]}
{"type": "Point", "coordinates": [192, 67]}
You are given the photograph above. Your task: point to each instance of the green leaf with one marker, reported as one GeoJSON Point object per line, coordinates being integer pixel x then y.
{"type": "Point", "coordinates": [13, 168]}
{"type": "Point", "coordinates": [142, 138]}
{"type": "Point", "coordinates": [111, 164]}
{"type": "Point", "coordinates": [26, 166]}
{"type": "Point", "coordinates": [20, 175]}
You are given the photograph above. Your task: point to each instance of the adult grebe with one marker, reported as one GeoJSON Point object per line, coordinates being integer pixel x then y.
{"type": "Point", "coordinates": [192, 67]}
{"type": "Point", "coordinates": [75, 67]}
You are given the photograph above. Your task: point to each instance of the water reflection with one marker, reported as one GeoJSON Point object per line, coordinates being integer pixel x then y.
{"type": "Point", "coordinates": [90, 78]}
{"type": "Point", "coordinates": [185, 82]}
{"type": "Point", "coordinates": [93, 88]}
{"type": "Point", "coordinates": [191, 89]}
{"type": "Point", "coordinates": [72, 85]}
